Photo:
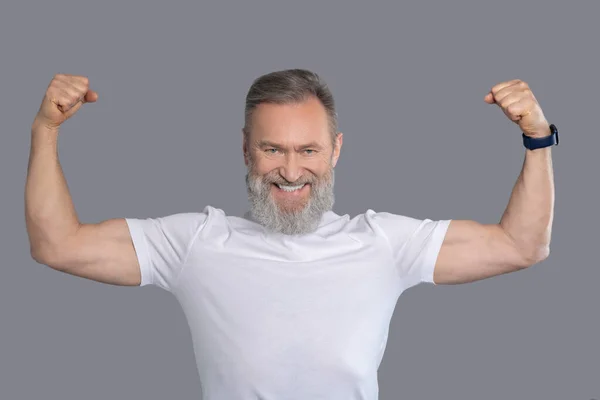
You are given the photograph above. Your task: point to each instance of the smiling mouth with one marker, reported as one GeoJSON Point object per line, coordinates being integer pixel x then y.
{"type": "Point", "coordinates": [290, 188]}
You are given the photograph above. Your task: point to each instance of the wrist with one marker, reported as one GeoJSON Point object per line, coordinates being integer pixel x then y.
{"type": "Point", "coordinates": [543, 133]}
{"type": "Point", "coordinates": [541, 152]}
{"type": "Point", "coordinates": [43, 134]}
{"type": "Point", "coordinates": [40, 125]}
{"type": "Point", "coordinates": [541, 138]}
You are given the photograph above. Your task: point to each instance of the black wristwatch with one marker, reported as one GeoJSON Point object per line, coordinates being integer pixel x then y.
{"type": "Point", "coordinates": [538, 143]}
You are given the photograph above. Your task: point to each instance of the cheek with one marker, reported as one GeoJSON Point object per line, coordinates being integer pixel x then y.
{"type": "Point", "coordinates": [259, 165]}
{"type": "Point", "coordinates": [320, 169]}
{"type": "Point", "coordinates": [263, 169]}
{"type": "Point", "coordinates": [315, 166]}
{"type": "Point", "coordinates": [264, 166]}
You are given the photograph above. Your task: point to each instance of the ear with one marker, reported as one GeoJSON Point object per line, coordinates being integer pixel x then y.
{"type": "Point", "coordinates": [245, 147]}
{"type": "Point", "coordinates": [338, 147]}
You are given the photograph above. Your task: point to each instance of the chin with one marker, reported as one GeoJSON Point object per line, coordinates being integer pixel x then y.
{"type": "Point", "coordinates": [291, 206]}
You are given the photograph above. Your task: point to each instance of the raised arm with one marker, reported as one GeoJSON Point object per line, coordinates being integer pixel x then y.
{"type": "Point", "coordinates": [473, 251]}
{"type": "Point", "coordinates": [103, 252]}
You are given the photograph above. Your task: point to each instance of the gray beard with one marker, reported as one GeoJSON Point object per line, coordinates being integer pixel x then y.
{"type": "Point", "coordinates": [265, 211]}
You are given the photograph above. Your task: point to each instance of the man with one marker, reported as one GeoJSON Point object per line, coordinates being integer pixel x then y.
{"type": "Point", "coordinates": [290, 301]}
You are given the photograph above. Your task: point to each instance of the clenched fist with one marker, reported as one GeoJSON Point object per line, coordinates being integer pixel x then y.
{"type": "Point", "coordinates": [65, 95]}
{"type": "Point", "coordinates": [517, 101]}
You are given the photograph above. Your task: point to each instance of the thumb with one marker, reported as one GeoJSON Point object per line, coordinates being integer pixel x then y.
{"type": "Point", "coordinates": [90, 97]}
{"type": "Point", "coordinates": [71, 111]}
{"type": "Point", "coordinates": [489, 98]}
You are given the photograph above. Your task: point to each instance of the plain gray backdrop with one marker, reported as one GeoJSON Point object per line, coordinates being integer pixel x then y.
{"type": "Point", "coordinates": [409, 80]}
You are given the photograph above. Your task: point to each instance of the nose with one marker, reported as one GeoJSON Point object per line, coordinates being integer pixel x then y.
{"type": "Point", "coordinates": [291, 170]}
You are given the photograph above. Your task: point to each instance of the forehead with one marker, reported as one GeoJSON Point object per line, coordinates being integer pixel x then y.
{"type": "Point", "coordinates": [291, 123]}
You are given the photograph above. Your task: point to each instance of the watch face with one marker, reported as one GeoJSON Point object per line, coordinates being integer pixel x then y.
{"type": "Point", "coordinates": [554, 131]}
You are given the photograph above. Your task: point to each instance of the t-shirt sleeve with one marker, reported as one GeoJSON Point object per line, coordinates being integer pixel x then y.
{"type": "Point", "coordinates": [161, 245]}
{"type": "Point", "coordinates": [415, 244]}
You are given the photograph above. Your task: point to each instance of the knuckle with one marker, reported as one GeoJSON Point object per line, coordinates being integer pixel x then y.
{"type": "Point", "coordinates": [60, 77]}
{"type": "Point", "coordinates": [56, 84]}
{"type": "Point", "coordinates": [53, 93]}
{"type": "Point", "coordinates": [62, 97]}
{"type": "Point", "coordinates": [507, 101]}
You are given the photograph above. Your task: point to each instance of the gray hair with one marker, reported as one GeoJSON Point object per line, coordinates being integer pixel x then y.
{"type": "Point", "coordinates": [288, 87]}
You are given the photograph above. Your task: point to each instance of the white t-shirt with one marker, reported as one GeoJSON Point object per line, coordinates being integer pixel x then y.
{"type": "Point", "coordinates": [276, 317]}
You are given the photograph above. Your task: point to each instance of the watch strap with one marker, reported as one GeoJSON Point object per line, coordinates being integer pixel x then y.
{"type": "Point", "coordinates": [537, 143]}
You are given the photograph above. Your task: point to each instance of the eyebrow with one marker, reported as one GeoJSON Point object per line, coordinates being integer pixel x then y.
{"type": "Point", "coordinates": [267, 143]}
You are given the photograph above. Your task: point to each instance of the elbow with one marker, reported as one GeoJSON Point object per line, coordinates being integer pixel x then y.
{"type": "Point", "coordinates": [44, 256]}
{"type": "Point", "coordinates": [537, 255]}
{"type": "Point", "coordinates": [35, 252]}
{"type": "Point", "coordinates": [52, 254]}
{"type": "Point", "coordinates": [40, 256]}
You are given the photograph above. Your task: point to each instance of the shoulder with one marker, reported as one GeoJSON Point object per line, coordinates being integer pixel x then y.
{"type": "Point", "coordinates": [180, 225]}
{"type": "Point", "coordinates": [386, 221]}
{"type": "Point", "coordinates": [402, 228]}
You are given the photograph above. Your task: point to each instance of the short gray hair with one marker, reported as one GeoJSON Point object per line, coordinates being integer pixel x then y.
{"type": "Point", "coordinates": [288, 87]}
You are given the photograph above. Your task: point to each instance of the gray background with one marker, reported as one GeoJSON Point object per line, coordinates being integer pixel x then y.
{"type": "Point", "coordinates": [409, 80]}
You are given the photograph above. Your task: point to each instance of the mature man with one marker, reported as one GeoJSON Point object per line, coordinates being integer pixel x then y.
{"type": "Point", "coordinates": [290, 301]}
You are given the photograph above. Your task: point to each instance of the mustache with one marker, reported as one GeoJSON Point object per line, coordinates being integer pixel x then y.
{"type": "Point", "coordinates": [278, 181]}
{"type": "Point", "coordinates": [289, 183]}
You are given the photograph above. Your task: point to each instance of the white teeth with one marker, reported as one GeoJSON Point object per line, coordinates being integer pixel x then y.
{"type": "Point", "coordinates": [290, 188]}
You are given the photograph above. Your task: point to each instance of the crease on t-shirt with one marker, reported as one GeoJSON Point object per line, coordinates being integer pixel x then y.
{"type": "Point", "coordinates": [199, 229]}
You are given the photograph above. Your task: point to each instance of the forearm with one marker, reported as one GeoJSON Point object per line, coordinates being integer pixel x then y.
{"type": "Point", "coordinates": [529, 214]}
{"type": "Point", "coordinates": [49, 211]}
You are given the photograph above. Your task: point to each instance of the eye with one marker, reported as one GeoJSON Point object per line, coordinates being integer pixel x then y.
{"type": "Point", "coordinates": [271, 151]}
{"type": "Point", "coordinates": [309, 151]}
